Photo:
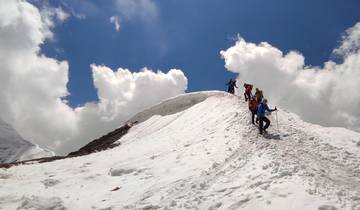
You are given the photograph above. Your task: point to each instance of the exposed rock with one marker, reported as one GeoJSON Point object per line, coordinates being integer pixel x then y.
{"type": "Point", "coordinates": [103, 143]}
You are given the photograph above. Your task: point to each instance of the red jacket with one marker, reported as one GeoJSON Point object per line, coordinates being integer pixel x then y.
{"type": "Point", "coordinates": [248, 88]}
{"type": "Point", "coordinates": [252, 104]}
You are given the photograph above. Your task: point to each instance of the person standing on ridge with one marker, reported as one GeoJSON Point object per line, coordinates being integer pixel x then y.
{"type": "Point", "coordinates": [247, 93]}
{"type": "Point", "coordinates": [259, 95]}
{"type": "Point", "coordinates": [261, 109]}
{"type": "Point", "coordinates": [232, 86]}
{"type": "Point", "coordinates": [253, 108]}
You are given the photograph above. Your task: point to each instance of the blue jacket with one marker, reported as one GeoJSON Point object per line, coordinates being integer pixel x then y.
{"type": "Point", "coordinates": [262, 108]}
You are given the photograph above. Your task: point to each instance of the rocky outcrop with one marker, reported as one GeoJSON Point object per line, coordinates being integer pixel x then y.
{"type": "Point", "coordinates": [105, 142]}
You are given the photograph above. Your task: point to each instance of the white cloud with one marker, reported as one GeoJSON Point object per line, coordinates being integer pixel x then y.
{"type": "Point", "coordinates": [327, 95]}
{"type": "Point", "coordinates": [122, 94]}
{"type": "Point", "coordinates": [350, 42]}
{"type": "Point", "coordinates": [33, 86]}
{"type": "Point", "coordinates": [143, 9]}
{"type": "Point", "coordinates": [115, 20]}
{"type": "Point", "coordinates": [58, 12]}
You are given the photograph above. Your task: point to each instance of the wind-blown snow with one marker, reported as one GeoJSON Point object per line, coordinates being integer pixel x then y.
{"type": "Point", "coordinates": [205, 156]}
{"type": "Point", "coordinates": [14, 148]}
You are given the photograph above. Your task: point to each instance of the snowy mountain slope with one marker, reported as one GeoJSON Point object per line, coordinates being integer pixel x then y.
{"type": "Point", "coordinates": [13, 147]}
{"type": "Point", "coordinates": [172, 105]}
{"type": "Point", "coordinates": [206, 156]}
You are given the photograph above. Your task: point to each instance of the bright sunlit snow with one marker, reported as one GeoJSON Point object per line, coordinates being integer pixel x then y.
{"type": "Point", "coordinates": [200, 151]}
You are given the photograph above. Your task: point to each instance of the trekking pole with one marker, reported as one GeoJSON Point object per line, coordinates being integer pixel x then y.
{"type": "Point", "coordinates": [277, 120]}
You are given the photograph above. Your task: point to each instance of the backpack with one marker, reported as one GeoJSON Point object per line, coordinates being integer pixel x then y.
{"type": "Point", "coordinates": [252, 104]}
{"type": "Point", "coordinates": [259, 95]}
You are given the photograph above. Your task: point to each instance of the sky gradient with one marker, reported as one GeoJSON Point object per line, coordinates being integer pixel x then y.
{"type": "Point", "coordinates": [189, 35]}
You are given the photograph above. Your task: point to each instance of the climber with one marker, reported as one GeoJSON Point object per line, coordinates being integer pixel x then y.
{"type": "Point", "coordinates": [253, 108]}
{"type": "Point", "coordinates": [232, 85]}
{"type": "Point", "coordinates": [261, 109]}
{"type": "Point", "coordinates": [248, 89]}
{"type": "Point", "coordinates": [259, 95]}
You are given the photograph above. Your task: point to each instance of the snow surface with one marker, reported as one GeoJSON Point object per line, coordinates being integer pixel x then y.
{"type": "Point", "coordinates": [14, 148]}
{"type": "Point", "coordinates": [206, 155]}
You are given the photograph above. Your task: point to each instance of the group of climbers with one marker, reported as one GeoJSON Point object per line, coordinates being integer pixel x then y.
{"type": "Point", "coordinates": [257, 104]}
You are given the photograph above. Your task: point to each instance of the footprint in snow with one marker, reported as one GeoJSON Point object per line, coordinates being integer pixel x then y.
{"type": "Point", "coordinates": [239, 203]}
{"type": "Point", "coordinates": [50, 182]}
{"type": "Point", "coordinates": [215, 206]}
{"type": "Point", "coordinates": [150, 207]}
{"type": "Point", "coordinates": [327, 207]}
{"type": "Point", "coordinates": [85, 165]}
{"type": "Point", "coordinates": [121, 171]}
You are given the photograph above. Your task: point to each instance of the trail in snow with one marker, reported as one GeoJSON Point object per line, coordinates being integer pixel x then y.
{"type": "Point", "coordinates": [206, 155]}
{"type": "Point", "coordinates": [319, 167]}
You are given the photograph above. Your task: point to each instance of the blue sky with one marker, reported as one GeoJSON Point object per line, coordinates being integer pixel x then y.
{"type": "Point", "coordinates": [189, 35]}
{"type": "Point", "coordinates": [286, 48]}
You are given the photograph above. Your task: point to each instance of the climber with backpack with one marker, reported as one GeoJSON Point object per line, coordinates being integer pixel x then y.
{"type": "Point", "coordinates": [232, 86]}
{"type": "Point", "coordinates": [261, 109]}
{"type": "Point", "coordinates": [259, 95]}
{"type": "Point", "coordinates": [247, 93]}
{"type": "Point", "coordinates": [253, 108]}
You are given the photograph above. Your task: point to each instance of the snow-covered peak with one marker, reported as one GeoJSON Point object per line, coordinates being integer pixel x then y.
{"type": "Point", "coordinates": [14, 148]}
{"type": "Point", "coordinates": [174, 105]}
{"type": "Point", "coordinates": [200, 151]}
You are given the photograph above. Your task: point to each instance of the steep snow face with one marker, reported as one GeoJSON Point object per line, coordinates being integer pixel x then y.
{"type": "Point", "coordinates": [14, 148]}
{"type": "Point", "coordinates": [206, 155]}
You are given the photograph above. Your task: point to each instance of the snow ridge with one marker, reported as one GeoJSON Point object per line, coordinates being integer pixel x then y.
{"type": "Point", "coordinates": [205, 156]}
{"type": "Point", "coordinates": [174, 105]}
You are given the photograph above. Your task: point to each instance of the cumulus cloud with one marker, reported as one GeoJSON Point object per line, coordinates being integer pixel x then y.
{"type": "Point", "coordinates": [326, 95]}
{"type": "Point", "coordinates": [33, 87]}
{"type": "Point", "coordinates": [115, 20]}
{"type": "Point", "coordinates": [350, 42]}
{"type": "Point", "coordinates": [122, 94]}
{"type": "Point", "coordinates": [132, 9]}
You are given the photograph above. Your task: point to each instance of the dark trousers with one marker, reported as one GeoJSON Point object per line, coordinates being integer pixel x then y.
{"type": "Point", "coordinates": [247, 96]}
{"type": "Point", "coordinates": [253, 113]}
{"type": "Point", "coordinates": [231, 90]}
{"type": "Point", "coordinates": [261, 123]}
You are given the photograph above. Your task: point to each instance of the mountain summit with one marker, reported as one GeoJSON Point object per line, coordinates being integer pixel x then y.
{"type": "Point", "coordinates": [199, 151]}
